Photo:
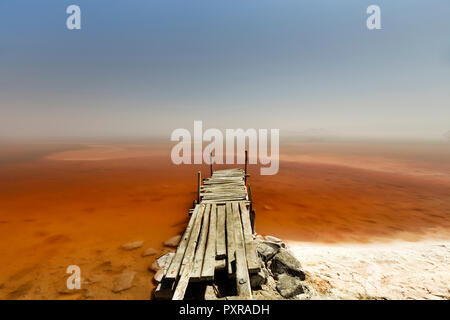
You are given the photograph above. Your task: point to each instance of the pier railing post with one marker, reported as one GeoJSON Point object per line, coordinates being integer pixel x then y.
{"type": "Point", "coordinates": [198, 186]}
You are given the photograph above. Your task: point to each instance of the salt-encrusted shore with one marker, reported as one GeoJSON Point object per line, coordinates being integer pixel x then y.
{"type": "Point", "coordinates": [396, 270]}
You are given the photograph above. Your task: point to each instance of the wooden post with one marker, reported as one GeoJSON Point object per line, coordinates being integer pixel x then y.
{"type": "Point", "coordinates": [252, 220]}
{"type": "Point", "coordinates": [249, 191]}
{"type": "Point", "coordinates": [251, 211]}
{"type": "Point", "coordinates": [210, 163]}
{"type": "Point", "coordinates": [198, 186]}
{"type": "Point", "coordinates": [246, 163]}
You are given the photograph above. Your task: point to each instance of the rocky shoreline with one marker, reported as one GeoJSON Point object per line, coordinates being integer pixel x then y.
{"type": "Point", "coordinates": [400, 270]}
{"type": "Point", "coordinates": [281, 275]}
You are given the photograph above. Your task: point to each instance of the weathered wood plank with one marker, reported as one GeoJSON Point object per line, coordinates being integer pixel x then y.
{"type": "Point", "coordinates": [242, 277]}
{"type": "Point", "coordinates": [250, 245]}
{"type": "Point", "coordinates": [220, 202]}
{"type": "Point", "coordinates": [175, 265]}
{"type": "Point", "coordinates": [193, 239]}
{"type": "Point", "coordinates": [200, 252]}
{"type": "Point", "coordinates": [164, 290]}
{"type": "Point", "coordinates": [221, 249]}
{"type": "Point", "coordinates": [182, 284]}
{"type": "Point", "coordinates": [230, 239]}
{"type": "Point", "coordinates": [188, 259]}
{"type": "Point", "coordinates": [209, 261]}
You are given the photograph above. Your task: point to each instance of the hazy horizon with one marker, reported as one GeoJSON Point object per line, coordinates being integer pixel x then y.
{"type": "Point", "coordinates": [143, 69]}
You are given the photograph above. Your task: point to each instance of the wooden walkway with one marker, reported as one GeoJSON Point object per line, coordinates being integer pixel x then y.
{"type": "Point", "coordinates": [218, 236]}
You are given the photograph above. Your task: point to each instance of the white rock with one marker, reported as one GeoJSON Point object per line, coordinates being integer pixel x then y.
{"type": "Point", "coordinates": [149, 252]}
{"type": "Point", "coordinates": [154, 266]}
{"type": "Point", "coordinates": [259, 237]}
{"type": "Point", "coordinates": [124, 281]}
{"type": "Point", "coordinates": [162, 262]}
{"type": "Point", "coordinates": [159, 275]}
{"type": "Point", "coordinates": [132, 245]}
{"type": "Point", "coordinates": [173, 242]}
{"type": "Point", "coordinates": [165, 259]}
{"type": "Point", "coordinates": [272, 238]}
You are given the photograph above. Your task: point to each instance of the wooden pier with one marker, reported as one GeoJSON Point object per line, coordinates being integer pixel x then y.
{"type": "Point", "coordinates": [218, 237]}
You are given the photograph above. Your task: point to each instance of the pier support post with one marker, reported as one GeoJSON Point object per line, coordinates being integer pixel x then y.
{"type": "Point", "coordinates": [246, 163]}
{"type": "Point", "coordinates": [210, 163]}
{"type": "Point", "coordinates": [198, 186]}
{"type": "Point", "coordinates": [252, 220]}
{"type": "Point", "coordinates": [251, 211]}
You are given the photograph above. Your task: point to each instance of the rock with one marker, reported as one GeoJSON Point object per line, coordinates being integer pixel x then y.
{"type": "Point", "coordinates": [173, 242]}
{"type": "Point", "coordinates": [105, 264]}
{"type": "Point", "coordinates": [91, 279]}
{"type": "Point", "coordinates": [166, 259]}
{"type": "Point", "coordinates": [20, 291]}
{"type": "Point", "coordinates": [123, 282]}
{"type": "Point", "coordinates": [275, 244]}
{"type": "Point", "coordinates": [161, 262]}
{"type": "Point", "coordinates": [258, 237]}
{"type": "Point", "coordinates": [266, 251]}
{"type": "Point", "coordinates": [149, 252]}
{"type": "Point", "coordinates": [272, 239]}
{"type": "Point", "coordinates": [258, 279]}
{"type": "Point", "coordinates": [270, 283]}
{"type": "Point", "coordinates": [159, 275]}
{"type": "Point", "coordinates": [167, 250]}
{"type": "Point", "coordinates": [267, 294]}
{"type": "Point", "coordinates": [289, 286]}
{"type": "Point", "coordinates": [154, 267]}
{"type": "Point", "coordinates": [132, 245]}
{"type": "Point", "coordinates": [285, 262]}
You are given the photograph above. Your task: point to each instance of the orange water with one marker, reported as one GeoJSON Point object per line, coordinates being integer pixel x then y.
{"type": "Point", "coordinates": [57, 213]}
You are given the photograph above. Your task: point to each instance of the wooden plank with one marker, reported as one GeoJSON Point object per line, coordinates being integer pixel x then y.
{"type": "Point", "coordinates": [242, 277]}
{"type": "Point", "coordinates": [164, 290]}
{"type": "Point", "coordinates": [250, 245]}
{"type": "Point", "coordinates": [230, 239]}
{"type": "Point", "coordinates": [233, 190]}
{"type": "Point", "coordinates": [180, 290]}
{"type": "Point", "coordinates": [221, 249]}
{"type": "Point", "coordinates": [193, 239]}
{"type": "Point", "coordinates": [224, 189]}
{"type": "Point", "coordinates": [224, 195]}
{"type": "Point", "coordinates": [209, 262]}
{"type": "Point", "coordinates": [220, 202]}
{"type": "Point", "coordinates": [236, 181]}
{"type": "Point", "coordinates": [200, 252]}
{"type": "Point", "coordinates": [175, 265]}
{"type": "Point", "coordinates": [188, 259]}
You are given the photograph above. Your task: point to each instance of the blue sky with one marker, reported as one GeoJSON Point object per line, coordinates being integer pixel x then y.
{"type": "Point", "coordinates": [140, 68]}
